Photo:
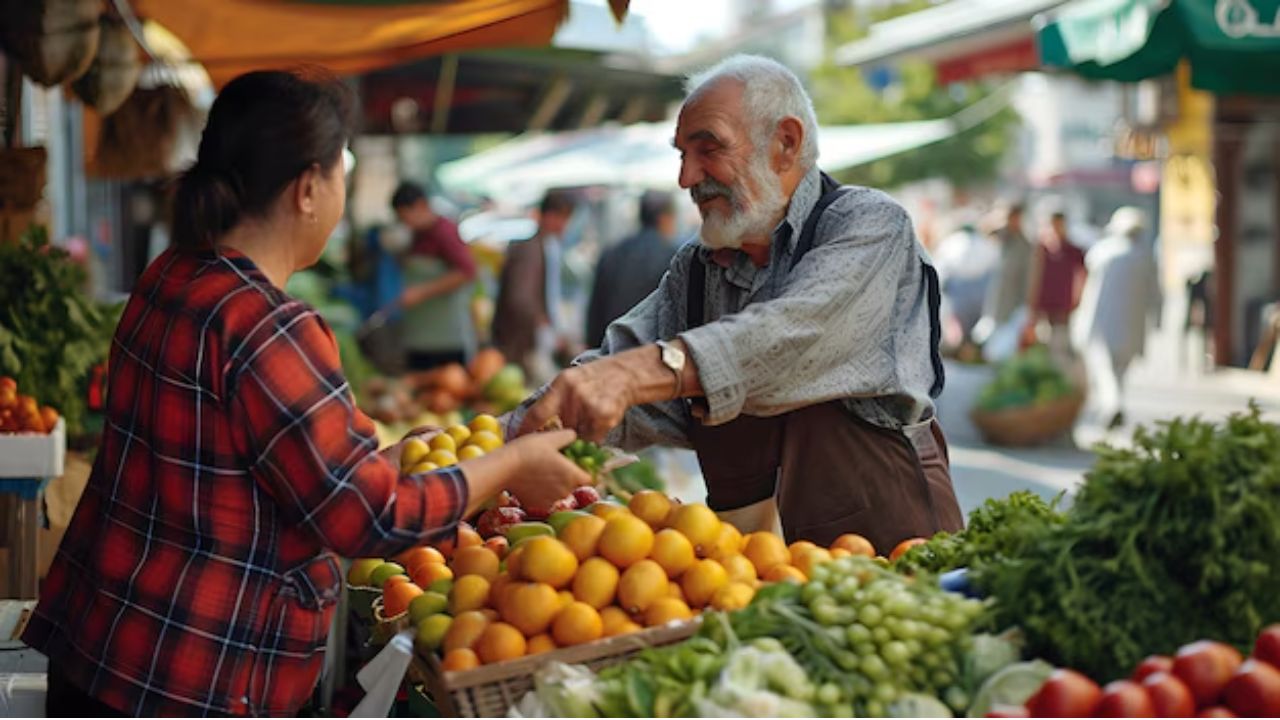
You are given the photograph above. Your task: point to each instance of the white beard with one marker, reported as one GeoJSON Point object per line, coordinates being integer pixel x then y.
{"type": "Point", "coordinates": [722, 229]}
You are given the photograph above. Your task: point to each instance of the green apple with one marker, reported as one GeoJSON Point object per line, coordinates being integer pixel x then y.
{"type": "Point", "coordinates": [426, 605]}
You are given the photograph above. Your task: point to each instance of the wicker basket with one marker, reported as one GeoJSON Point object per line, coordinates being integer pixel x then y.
{"type": "Point", "coordinates": [1031, 425]}
{"type": "Point", "coordinates": [385, 628]}
{"type": "Point", "coordinates": [361, 599]}
{"type": "Point", "coordinates": [491, 690]}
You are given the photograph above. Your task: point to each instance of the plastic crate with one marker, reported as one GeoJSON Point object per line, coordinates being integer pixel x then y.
{"type": "Point", "coordinates": [491, 690]}
{"type": "Point", "coordinates": [33, 455]}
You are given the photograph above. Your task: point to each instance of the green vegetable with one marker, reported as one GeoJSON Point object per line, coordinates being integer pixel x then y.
{"type": "Point", "coordinates": [1171, 541]}
{"type": "Point", "coordinates": [1031, 378]}
{"type": "Point", "coordinates": [996, 529]}
{"type": "Point", "coordinates": [51, 332]}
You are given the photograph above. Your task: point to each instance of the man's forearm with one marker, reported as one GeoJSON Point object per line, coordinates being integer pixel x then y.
{"type": "Point", "coordinates": [440, 286]}
{"type": "Point", "coordinates": [652, 381]}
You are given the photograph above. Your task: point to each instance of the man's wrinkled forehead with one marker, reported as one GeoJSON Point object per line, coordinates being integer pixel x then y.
{"type": "Point", "coordinates": [715, 109]}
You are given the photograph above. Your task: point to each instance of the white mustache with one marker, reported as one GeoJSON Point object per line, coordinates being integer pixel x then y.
{"type": "Point", "coordinates": [710, 189]}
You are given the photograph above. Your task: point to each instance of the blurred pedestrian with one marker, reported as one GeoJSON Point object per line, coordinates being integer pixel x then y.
{"type": "Point", "coordinates": [1057, 280]}
{"type": "Point", "coordinates": [438, 274]}
{"type": "Point", "coordinates": [965, 260]}
{"type": "Point", "coordinates": [630, 270]}
{"type": "Point", "coordinates": [1120, 299]}
{"type": "Point", "coordinates": [1012, 279]}
{"type": "Point", "coordinates": [526, 322]}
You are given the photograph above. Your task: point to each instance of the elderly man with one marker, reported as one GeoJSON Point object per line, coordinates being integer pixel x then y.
{"type": "Point", "coordinates": [795, 348]}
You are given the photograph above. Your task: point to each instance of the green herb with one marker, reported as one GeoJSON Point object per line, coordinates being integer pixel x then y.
{"type": "Point", "coordinates": [1172, 541]}
{"type": "Point", "coordinates": [997, 529]}
{"type": "Point", "coordinates": [51, 333]}
{"type": "Point", "coordinates": [1029, 379]}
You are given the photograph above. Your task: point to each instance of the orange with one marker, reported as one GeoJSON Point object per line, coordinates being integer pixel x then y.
{"type": "Point", "coordinates": [673, 551]}
{"type": "Point", "coordinates": [513, 561]}
{"type": "Point", "coordinates": [665, 610]}
{"type": "Point", "coordinates": [394, 580]}
{"type": "Point", "coordinates": [497, 588]}
{"type": "Point", "coordinates": [491, 615]}
{"type": "Point", "coordinates": [476, 560]}
{"type": "Point", "coordinates": [701, 582]}
{"type": "Point", "coordinates": [579, 623]}
{"type": "Point", "coordinates": [674, 590]}
{"type": "Point", "coordinates": [652, 507]}
{"type": "Point", "coordinates": [470, 592]}
{"type": "Point", "coordinates": [904, 546]}
{"type": "Point", "coordinates": [640, 585]}
{"type": "Point", "coordinates": [798, 548]}
{"type": "Point", "coordinates": [811, 559]}
{"type": "Point", "coordinates": [837, 553]}
{"type": "Point", "coordinates": [564, 599]}
{"type": "Point", "coordinates": [698, 523]}
{"type": "Point", "coordinates": [733, 596]}
{"type": "Point", "coordinates": [613, 618]}
{"type": "Point", "coordinates": [785, 573]}
{"type": "Point", "coordinates": [740, 569]}
{"type": "Point", "coordinates": [608, 510]}
{"type": "Point", "coordinates": [582, 535]}
{"type": "Point", "coordinates": [465, 630]}
{"type": "Point", "coordinates": [499, 642]}
{"type": "Point", "coordinates": [596, 582]}
{"type": "Point", "coordinates": [728, 544]}
{"type": "Point", "coordinates": [468, 537]}
{"type": "Point", "coordinates": [539, 644]}
{"type": "Point", "coordinates": [530, 607]}
{"type": "Point", "coordinates": [397, 596]}
{"type": "Point", "coordinates": [626, 540]}
{"type": "Point", "coordinates": [547, 560]}
{"type": "Point", "coordinates": [413, 557]}
{"type": "Point", "coordinates": [855, 544]}
{"type": "Point", "coordinates": [764, 550]}
{"type": "Point", "coordinates": [627, 628]}
{"type": "Point", "coordinates": [430, 572]}
{"type": "Point", "coordinates": [460, 659]}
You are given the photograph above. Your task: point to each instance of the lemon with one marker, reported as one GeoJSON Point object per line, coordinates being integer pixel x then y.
{"type": "Point", "coordinates": [443, 458]}
{"type": "Point", "coordinates": [413, 451]}
{"type": "Point", "coordinates": [470, 452]}
{"type": "Point", "coordinates": [444, 441]}
{"type": "Point", "coordinates": [459, 433]}
{"type": "Point", "coordinates": [484, 421]}
{"type": "Point", "coordinates": [423, 467]}
{"type": "Point", "coordinates": [486, 440]}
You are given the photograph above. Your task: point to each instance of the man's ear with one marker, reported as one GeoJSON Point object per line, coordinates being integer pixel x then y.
{"type": "Point", "coordinates": [788, 141]}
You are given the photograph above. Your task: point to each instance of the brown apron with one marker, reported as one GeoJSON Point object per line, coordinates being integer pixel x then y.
{"type": "Point", "coordinates": [830, 472]}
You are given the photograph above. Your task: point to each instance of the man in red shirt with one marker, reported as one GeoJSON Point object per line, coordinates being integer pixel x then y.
{"type": "Point", "coordinates": [438, 272]}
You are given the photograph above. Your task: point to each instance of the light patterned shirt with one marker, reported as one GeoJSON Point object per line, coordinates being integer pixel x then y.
{"type": "Point", "coordinates": [851, 320]}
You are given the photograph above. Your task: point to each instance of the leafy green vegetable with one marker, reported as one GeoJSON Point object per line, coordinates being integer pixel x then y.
{"type": "Point", "coordinates": [1171, 541]}
{"type": "Point", "coordinates": [1030, 378]}
{"type": "Point", "coordinates": [996, 529]}
{"type": "Point", "coordinates": [51, 332]}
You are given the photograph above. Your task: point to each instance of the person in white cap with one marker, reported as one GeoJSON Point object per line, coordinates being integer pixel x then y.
{"type": "Point", "coordinates": [1121, 296]}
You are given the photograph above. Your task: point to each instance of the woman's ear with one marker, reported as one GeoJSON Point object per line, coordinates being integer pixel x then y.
{"type": "Point", "coordinates": [306, 192]}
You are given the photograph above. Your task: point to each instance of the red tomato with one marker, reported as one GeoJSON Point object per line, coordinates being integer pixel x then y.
{"type": "Point", "coordinates": [1216, 711]}
{"type": "Point", "coordinates": [1152, 664]}
{"type": "Point", "coordinates": [1267, 648]}
{"type": "Point", "coordinates": [1169, 696]}
{"type": "Point", "coordinates": [1254, 691]}
{"type": "Point", "coordinates": [1124, 698]}
{"type": "Point", "coordinates": [1066, 693]}
{"type": "Point", "coordinates": [1206, 667]}
{"type": "Point", "coordinates": [1007, 711]}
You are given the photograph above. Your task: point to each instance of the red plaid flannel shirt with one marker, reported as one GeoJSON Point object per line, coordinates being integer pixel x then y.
{"type": "Point", "coordinates": [198, 573]}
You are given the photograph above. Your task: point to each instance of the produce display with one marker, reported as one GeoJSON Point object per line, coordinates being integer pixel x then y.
{"type": "Point", "coordinates": [1029, 379]}
{"type": "Point", "coordinates": [996, 529]}
{"type": "Point", "coordinates": [23, 413]}
{"type": "Point", "coordinates": [487, 385]}
{"type": "Point", "coordinates": [1171, 541]}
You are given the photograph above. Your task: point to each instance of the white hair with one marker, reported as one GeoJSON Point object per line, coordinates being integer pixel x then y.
{"type": "Point", "coordinates": [771, 92]}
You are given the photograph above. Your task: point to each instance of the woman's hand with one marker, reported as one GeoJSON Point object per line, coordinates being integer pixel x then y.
{"type": "Point", "coordinates": [543, 474]}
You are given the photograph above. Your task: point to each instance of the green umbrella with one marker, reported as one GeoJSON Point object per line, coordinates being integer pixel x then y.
{"type": "Point", "coordinates": [1233, 45]}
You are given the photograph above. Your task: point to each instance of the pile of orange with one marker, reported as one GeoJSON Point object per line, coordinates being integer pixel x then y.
{"type": "Point", "coordinates": [22, 413]}
{"type": "Point", "coordinates": [613, 571]}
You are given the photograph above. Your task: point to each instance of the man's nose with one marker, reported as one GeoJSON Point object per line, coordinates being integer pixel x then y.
{"type": "Point", "coordinates": [690, 173]}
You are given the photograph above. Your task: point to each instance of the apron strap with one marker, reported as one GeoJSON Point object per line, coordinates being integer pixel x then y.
{"type": "Point", "coordinates": [831, 191]}
{"type": "Point", "coordinates": [935, 329]}
{"type": "Point", "coordinates": [696, 292]}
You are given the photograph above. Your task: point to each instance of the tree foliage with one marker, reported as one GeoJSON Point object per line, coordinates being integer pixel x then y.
{"type": "Point", "coordinates": [843, 96]}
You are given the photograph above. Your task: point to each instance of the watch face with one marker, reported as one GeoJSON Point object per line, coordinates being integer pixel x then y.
{"type": "Point", "coordinates": [672, 357]}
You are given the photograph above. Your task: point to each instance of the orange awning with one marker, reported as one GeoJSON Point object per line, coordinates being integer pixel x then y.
{"type": "Point", "coordinates": [230, 37]}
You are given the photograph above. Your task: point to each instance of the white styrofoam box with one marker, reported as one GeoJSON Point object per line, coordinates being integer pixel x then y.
{"type": "Point", "coordinates": [29, 455]}
{"type": "Point", "coordinates": [23, 694]}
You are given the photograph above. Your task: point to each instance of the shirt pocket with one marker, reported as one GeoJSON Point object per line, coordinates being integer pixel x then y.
{"type": "Point", "coordinates": [290, 650]}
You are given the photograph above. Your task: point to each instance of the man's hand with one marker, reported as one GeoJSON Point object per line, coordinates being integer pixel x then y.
{"type": "Point", "coordinates": [590, 398]}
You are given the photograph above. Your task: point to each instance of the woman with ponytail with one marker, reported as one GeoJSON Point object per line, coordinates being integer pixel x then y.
{"type": "Point", "coordinates": [200, 570]}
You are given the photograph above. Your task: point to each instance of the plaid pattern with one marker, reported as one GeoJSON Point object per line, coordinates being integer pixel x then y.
{"type": "Point", "coordinates": [198, 575]}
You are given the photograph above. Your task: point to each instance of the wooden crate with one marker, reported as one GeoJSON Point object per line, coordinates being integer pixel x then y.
{"type": "Point", "coordinates": [491, 690]}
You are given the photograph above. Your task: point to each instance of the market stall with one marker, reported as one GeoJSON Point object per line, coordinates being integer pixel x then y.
{"type": "Point", "coordinates": [1153, 594]}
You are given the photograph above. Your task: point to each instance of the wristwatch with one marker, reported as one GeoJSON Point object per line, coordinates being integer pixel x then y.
{"type": "Point", "coordinates": [673, 358]}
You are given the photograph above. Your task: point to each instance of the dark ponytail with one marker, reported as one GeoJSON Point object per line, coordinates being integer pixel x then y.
{"type": "Point", "coordinates": [265, 128]}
